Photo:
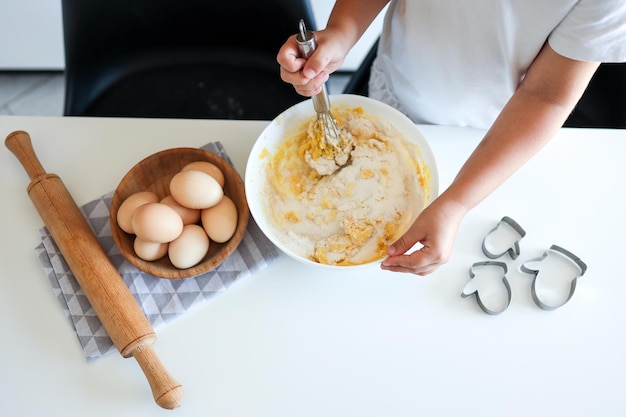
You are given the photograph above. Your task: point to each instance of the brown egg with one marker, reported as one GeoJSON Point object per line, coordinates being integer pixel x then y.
{"type": "Point", "coordinates": [208, 168]}
{"type": "Point", "coordinates": [156, 222]}
{"type": "Point", "coordinates": [189, 216]}
{"type": "Point", "coordinates": [128, 206]}
{"type": "Point", "coordinates": [220, 221]}
{"type": "Point", "coordinates": [149, 251]}
{"type": "Point", "coordinates": [195, 189]}
{"type": "Point", "coordinates": [189, 248]}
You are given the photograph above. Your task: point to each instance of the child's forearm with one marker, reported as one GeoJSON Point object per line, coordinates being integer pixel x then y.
{"type": "Point", "coordinates": [530, 119]}
{"type": "Point", "coordinates": [352, 17]}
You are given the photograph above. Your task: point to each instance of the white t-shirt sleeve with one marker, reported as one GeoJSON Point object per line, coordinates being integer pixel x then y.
{"type": "Point", "coordinates": [594, 30]}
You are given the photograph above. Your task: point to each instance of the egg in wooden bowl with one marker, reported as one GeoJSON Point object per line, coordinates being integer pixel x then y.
{"type": "Point", "coordinates": [179, 213]}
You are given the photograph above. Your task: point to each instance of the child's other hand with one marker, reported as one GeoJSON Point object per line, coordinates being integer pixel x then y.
{"type": "Point", "coordinates": [435, 229]}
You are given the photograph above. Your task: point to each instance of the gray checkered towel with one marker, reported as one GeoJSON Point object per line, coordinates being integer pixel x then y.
{"type": "Point", "coordinates": [161, 299]}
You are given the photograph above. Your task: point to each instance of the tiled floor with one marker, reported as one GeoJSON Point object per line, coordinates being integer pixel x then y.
{"type": "Point", "coordinates": [42, 93]}
{"type": "Point", "coordinates": [32, 93]}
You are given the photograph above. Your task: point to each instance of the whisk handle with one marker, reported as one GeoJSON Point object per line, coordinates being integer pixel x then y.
{"type": "Point", "coordinates": [306, 41]}
{"type": "Point", "coordinates": [321, 102]}
{"type": "Point", "coordinates": [306, 45]}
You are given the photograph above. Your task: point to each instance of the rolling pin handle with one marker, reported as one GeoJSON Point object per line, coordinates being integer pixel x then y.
{"type": "Point", "coordinates": [167, 391]}
{"type": "Point", "coordinates": [20, 144]}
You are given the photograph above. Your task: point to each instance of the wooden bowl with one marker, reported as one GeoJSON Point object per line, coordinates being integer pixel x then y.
{"type": "Point", "coordinates": [154, 174]}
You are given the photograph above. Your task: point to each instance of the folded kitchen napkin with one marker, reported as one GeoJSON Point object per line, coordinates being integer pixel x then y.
{"type": "Point", "coordinates": [162, 300]}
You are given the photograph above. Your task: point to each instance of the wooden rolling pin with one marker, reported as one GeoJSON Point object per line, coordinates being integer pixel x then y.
{"type": "Point", "coordinates": [121, 316]}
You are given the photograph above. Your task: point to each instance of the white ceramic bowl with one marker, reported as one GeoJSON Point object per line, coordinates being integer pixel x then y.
{"type": "Point", "coordinates": [283, 126]}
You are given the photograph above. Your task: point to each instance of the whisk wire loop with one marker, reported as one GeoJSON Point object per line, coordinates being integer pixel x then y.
{"type": "Point", "coordinates": [330, 132]}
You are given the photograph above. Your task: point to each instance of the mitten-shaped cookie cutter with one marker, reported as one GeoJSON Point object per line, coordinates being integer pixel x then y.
{"type": "Point", "coordinates": [506, 230]}
{"type": "Point", "coordinates": [471, 288]}
{"type": "Point", "coordinates": [558, 254]}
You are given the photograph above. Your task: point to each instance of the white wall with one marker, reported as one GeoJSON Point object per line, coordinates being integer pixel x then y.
{"type": "Point", "coordinates": [31, 34]}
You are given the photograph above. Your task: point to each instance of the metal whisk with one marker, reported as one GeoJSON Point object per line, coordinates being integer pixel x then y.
{"type": "Point", "coordinates": [326, 123]}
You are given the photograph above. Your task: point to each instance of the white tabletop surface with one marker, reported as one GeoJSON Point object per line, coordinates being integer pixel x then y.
{"type": "Point", "coordinates": [291, 341]}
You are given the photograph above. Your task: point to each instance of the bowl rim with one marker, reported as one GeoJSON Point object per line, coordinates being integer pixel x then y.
{"type": "Point", "coordinates": [215, 257]}
{"type": "Point", "coordinates": [293, 117]}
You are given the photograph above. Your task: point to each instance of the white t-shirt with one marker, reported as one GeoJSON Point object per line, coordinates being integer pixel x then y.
{"type": "Point", "coordinates": [457, 62]}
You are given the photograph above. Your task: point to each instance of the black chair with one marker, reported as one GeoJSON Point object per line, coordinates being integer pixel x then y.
{"type": "Point", "coordinates": [178, 58]}
{"type": "Point", "coordinates": [603, 105]}
{"type": "Point", "coordinates": [359, 81]}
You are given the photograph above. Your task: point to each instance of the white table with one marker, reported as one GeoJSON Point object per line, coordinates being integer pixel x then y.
{"type": "Point", "coordinates": [291, 341]}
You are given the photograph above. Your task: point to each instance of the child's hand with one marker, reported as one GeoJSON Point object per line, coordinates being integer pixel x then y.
{"type": "Point", "coordinates": [435, 229]}
{"type": "Point", "coordinates": [308, 76]}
